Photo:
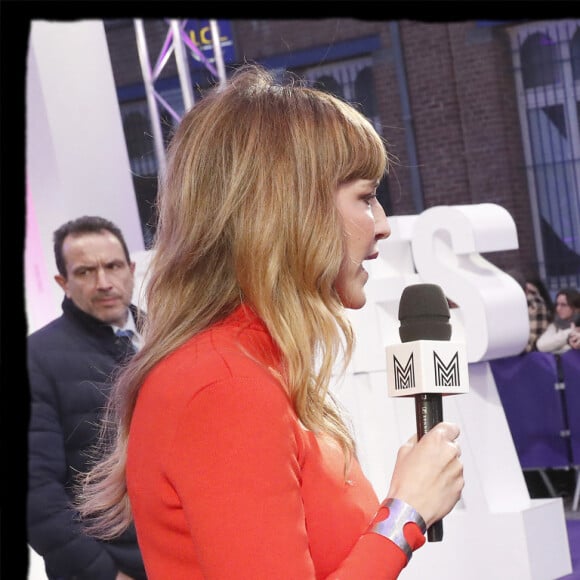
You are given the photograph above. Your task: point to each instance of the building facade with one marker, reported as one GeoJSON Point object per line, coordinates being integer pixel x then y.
{"type": "Point", "coordinates": [473, 111]}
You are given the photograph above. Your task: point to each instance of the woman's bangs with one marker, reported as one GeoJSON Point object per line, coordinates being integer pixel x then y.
{"type": "Point", "coordinates": [365, 154]}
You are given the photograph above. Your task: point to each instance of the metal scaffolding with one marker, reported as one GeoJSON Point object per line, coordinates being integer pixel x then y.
{"type": "Point", "coordinates": [177, 43]}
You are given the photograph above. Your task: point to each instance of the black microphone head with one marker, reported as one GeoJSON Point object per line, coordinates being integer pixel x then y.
{"type": "Point", "coordinates": [424, 313]}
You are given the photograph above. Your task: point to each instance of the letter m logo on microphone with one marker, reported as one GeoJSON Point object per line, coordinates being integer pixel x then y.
{"type": "Point", "coordinates": [446, 375]}
{"type": "Point", "coordinates": [404, 376]}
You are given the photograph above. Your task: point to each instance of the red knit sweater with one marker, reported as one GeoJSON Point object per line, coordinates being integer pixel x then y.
{"type": "Point", "coordinates": [226, 484]}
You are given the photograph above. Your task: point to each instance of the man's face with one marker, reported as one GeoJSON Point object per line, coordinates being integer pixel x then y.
{"type": "Point", "coordinates": [99, 279]}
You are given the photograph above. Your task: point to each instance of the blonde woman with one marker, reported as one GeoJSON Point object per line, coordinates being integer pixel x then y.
{"type": "Point", "coordinates": [229, 454]}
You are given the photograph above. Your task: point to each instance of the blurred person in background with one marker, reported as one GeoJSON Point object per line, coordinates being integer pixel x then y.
{"type": "Point", "coordinates": [540, 306]}
{"type": "Point", "coordinates": [540, 310]}
{"type": "Point", "coordinates": [574, 336]}
{"type": "Point", "coordinates": [555, 338]}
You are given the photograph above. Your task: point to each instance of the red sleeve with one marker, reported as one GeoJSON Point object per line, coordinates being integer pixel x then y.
{"type": "Point", "coordinates": [236, 466]}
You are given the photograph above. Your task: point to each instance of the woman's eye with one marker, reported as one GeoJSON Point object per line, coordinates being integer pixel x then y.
{"type": "Point", "coordinates": [369, 198]}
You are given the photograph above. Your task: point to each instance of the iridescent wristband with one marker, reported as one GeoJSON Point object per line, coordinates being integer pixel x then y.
{"type": "Point", "coordinates": [392, 527]}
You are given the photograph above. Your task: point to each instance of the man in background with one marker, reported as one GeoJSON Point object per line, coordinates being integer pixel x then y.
{"type": "Point", "coordinates": [71, 363]}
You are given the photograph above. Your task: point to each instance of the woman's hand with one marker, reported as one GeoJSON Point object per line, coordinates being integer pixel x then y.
{"type": "Point", "coordinates": [428, 474]}
{"type": "Point", "coordinates": [574, 337]}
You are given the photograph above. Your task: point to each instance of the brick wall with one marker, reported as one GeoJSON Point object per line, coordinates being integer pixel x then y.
{"type": "Point", "coordinates": [466, 122]}
{"type": "Point", "coordinates": [261, 38]}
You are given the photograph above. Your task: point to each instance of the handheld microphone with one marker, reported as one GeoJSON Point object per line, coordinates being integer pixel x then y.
{"type": "Point", "coordinates": [426, 364]}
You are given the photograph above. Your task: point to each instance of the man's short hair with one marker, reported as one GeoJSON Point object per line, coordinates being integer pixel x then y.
{"type": "Point", "coordinates": [84, 225]}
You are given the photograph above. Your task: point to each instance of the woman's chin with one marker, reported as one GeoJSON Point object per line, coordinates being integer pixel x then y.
{"type": "Point", "coordinates": [354, 302]}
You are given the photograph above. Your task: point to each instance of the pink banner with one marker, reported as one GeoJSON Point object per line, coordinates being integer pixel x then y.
{"type": "Point", "coordinates": [40, 302]}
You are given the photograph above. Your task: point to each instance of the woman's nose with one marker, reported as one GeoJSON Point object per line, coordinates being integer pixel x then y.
{"type": "Point", "coordinates": [382, 226]}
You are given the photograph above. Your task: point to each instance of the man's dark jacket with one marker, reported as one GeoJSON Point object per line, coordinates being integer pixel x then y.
{"type": "Point", "coordinates": [71, 362]}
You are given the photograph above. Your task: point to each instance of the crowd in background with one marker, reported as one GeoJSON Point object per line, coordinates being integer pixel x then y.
{"type": "Point", "coordinates": [554, 328]}
{"type": "Point", "coordinates": [554, 325]}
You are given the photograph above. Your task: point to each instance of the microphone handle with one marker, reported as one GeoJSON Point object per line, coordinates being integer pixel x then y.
{"type": "Point", "coordinates": [429, 412]}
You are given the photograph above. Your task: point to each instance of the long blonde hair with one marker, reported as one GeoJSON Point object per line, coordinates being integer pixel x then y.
{"type": "Point", "coordinates": [246, 213]}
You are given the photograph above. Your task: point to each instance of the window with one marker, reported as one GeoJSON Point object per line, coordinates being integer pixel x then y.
{"type": "Point", "coordinates": [546, 58]}
{"type": "Point", "coordinates": [540, 61]}
{"type": "Point", "coordinates": [575, 55]}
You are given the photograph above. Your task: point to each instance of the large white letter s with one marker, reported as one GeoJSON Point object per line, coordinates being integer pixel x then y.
{"type": "Point", "coordinates": [492, 310]}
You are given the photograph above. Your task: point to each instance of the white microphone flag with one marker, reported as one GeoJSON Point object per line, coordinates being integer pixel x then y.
{"type": "Point", "coordinates": [427, 366]}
